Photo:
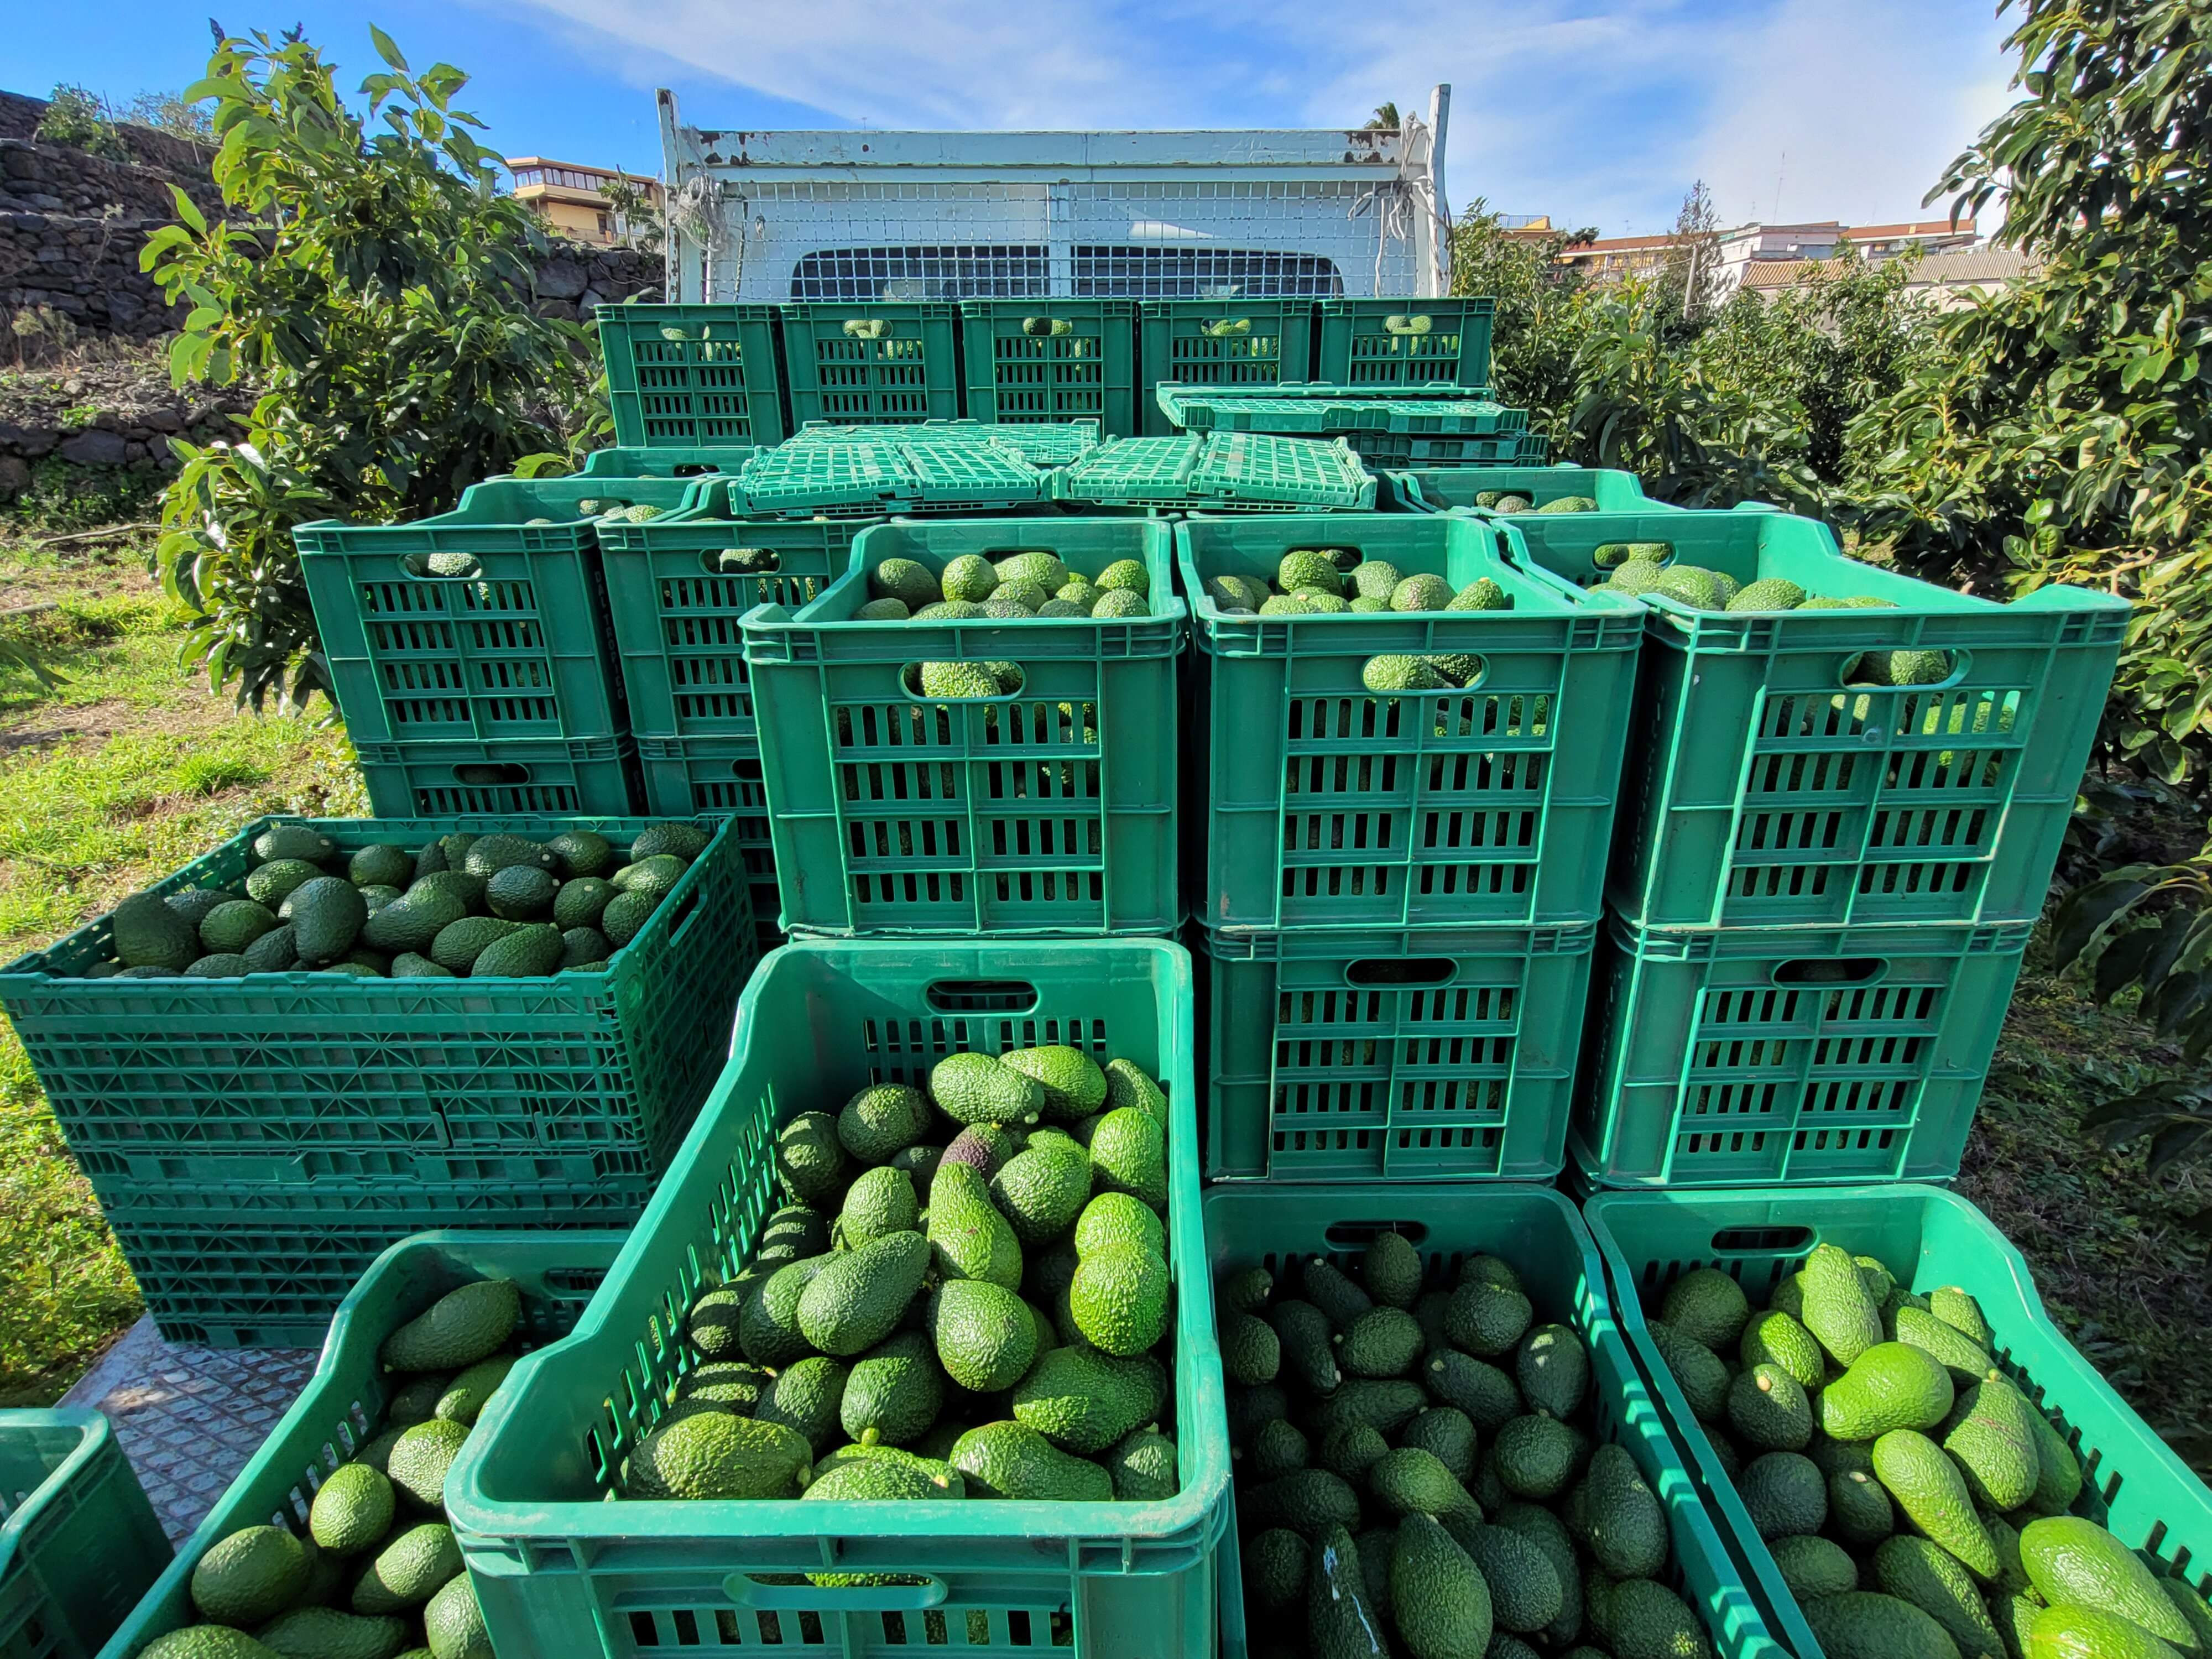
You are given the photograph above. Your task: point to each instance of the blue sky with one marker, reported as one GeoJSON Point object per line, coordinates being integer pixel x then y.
{"type": "Point", "coordinates": [1595, 113]}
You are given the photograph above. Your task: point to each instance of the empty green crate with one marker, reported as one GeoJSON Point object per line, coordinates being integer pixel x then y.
{"type": "Point", "coordinates": [1051, 360]}
{"type": "Point", "coordinates": [871, 363]}
{"type": "Point", "coordinates": [1419, 489]}
{"type": "Point", "coordinates": [514, 645]}
{"type": "Point", "coordinates": [559, 1570]}
{"type": "Point", "coordinates": [303, 1076]}
{"type": "Point", "coordinates": [1405, 342]}
{"type": "Point", "coordinates": [1927, 1238]}
{"type": "Point", "coordinates": [79, 1543]}
{"type": "Point", "coordinates": [665, 463]}
{"type": "Point", "coordinates": [676, 609]}
{"type": "Point", "coordinates": [691, 376]}
{"type": "Point", "coordinates": [253, 1275]}
{"type": "Point", "coordinates": [1329, 805]}
{"type": "Point", "coordinates": [1540, 1234]}
{"type": "Point", "coordinates": [342, 1406]}
{"type": "Point", "coordinates": [1048, 809]}
{"type": "Point", "coordinates": [1315, 410]}
{"type": "Point", "coordinates": [1772, 789]}
{"type": "Point", "coordinates": [1734, 1057]}
{"type": "Point", "coordinates": [1245, 341]}
{"type": "Point", "coordinates": [508, 777]}
{"type": "Point", "coordinates": [1426, 1056]}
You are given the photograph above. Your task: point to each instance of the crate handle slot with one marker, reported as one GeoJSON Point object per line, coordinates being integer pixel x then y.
{"type": "Point", "coordinates": [867, 328]}
{"type": "Point", "coordinates": [1359, 1234]}
{"type": "Point", "coordinates": [680, 918]}
{"type": "Point", "coordinates": [975, 996]}
{"type": "Point", "coordinates": [1781, 1240]}
{"type": "Point", "coordinates": [481, 774]}
{"type": "Point", "coordinates": [417, 566]}
{"type": "Point", "coordinates": [746, 769]}
{"type": "Point", "coordinates": [1223, 327]}
{"type": "Point", "coordinates": [746, 1590]}
{"type": "Point", "coordinates": [1830, 970]}
{"type": "Point", "coordinates": [1960, 662]}
{"type": "Point", "coordinates": [1401, 971]}
{"type": "Point", "coordinates": [1416, 325]}
{"type": "Point", "coordinates": [746, 562]}
{"type": "Point", "coordinates": [910, 683]}
{"type": "Point", "coordinates": [1039, 328]}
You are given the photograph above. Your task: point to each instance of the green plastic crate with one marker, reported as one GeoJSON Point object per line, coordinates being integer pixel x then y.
{"type": "Point", "coordinates": [870, 364]}
{"type": "Point", "coordinates": [342, 1406]}
{"type": "Point", "coordinates": [1433, 1055]}
{"type": "Point", "coordinates": [977, 478]}
{"type": "Point", "coordinates": [691, 376]}
{"type": "Point", "coordinates": [1405, 342]}
{"type": "Point", "coordinates": [1330, 807]}
{"type": "Point", "coordinates": [519, 647]}
{"type": "Point", "coordinates": [1041, 444]}
{"type": "Point", "coordinates": [289, 1079]}
{"type": "Point", "coordinates": [1421, 490]}
{"type": "Point", "coordinates": [665, 463]}
{"type": "Point", "coordinates": [79, 1543]}
{"type": "Point", "coordinates": [1327, 411]}
{"type": "Point", "coordinates": [1773, 791]}
{"type": "Point", "coordinates": [823, 480]}
{"type": "Point", "coordinates": [676, 610]}
{"type": "Point", "coordinates": [1048, 811]}
{"type": "Point", "coordinates": [558, 1569]}
{"type": "Point", "coordinates": [1926, 1237]}
{"type": "Point", "coordinates": [1734, 1057]}
{"type": "Point", "coordinates": [1052, 360]}
{"type": "Point", "coordinates": [508, 777]}
{"type": "Point", "coordinates": [1540, 1234]}
{"type": "Point", "coordinates": [1217, 472]}
{"type": "Point", "coordinates": [1244, 342]}
{"type": "Point", "coordinates": [1398, 450]}
{"type": "Point", "coordinates": [686, 777]}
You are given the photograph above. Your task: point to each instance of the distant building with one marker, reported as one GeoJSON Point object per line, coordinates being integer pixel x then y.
{"type": "Point", "coordinates": [1950, 280]}
{"type": "Point", "coordinates": [1746, 248]}
{"type": "Point", "coordinates": [572, 199]}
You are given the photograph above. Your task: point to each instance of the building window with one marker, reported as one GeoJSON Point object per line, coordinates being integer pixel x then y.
{"type": "Point", "coordinates": [922, 273]}
{"type": "Point", "coordinates": [606, 224]}
{"type": "Point", "coordinates": [1176, 273]}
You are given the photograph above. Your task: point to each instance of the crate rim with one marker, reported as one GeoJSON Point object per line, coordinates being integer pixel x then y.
{"type": "Point", "coordinates": [29, 972]}
{"type": "Point", "coordinates": [94, 1434]}
{"type": "Point", "coordinates": [1196, 1509]}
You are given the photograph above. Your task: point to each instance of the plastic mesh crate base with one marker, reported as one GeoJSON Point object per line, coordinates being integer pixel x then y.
{"type": "Point", "coordinates": [1329, 805]}
{"type": "Point", "coordinates": [331, 1075]}
{"type": "Point", "coordinates": [344, 1404]}
{"type": "Point", "coordinates": [487, 622]}
{"type": "Point", "coordinates": [1776, 1055]}
{"type": "Point", "coordinates": [1539, 1233]}
{"type": "Point", "coordinates": [1244, 343]}
{"type": "Point", "coordinates": [1098, 1580]}
{"type": "Point", "coordinates": [1326, 410]}
{"type": "Point", "coordinates": [79, 1543]}
{"type": "Point", "coordinates": [1048, 809]}
{"type": "Point", "coordinates": [1926, 1237]}
{"type": "Point", "coordinates": [1032, 360]}
{"type": "Point", "coordinates": [1378, 343]}
{"type": "Point", "coordinates": [1340, 1055]}
{"type": "Point", "coordinates": [1218, 472]}
{"type": "Point", "coordinates": [691, 376]}
{"type": "Point", "coordinates": [1777, 790]}
{"type": "Point", "coordinates": [676, 608]}
{"type": "Point", "coordinates": [864, 364]}
{"type": "Point", "coordinates": [517, 777]}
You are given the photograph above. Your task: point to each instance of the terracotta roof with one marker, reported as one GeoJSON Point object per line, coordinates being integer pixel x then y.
{"type": "Point", "coordinates": [1911, 228]}
{"type": "Point", "coordinates": [1775, 273]}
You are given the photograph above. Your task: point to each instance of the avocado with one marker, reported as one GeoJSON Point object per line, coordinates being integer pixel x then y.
{"type": "Point", "coordinates": [1539, 1456]}
{"type": "Point", "coordinates": [882, 1120]}
{"type": "Point", "coordinates": [148, 933]}
{"type": "Point", "coordinates": [1382, 1342]}
{"type": "Point", "coordinates": [252, 1575]}
{"type": "Point", "coordinates": [1770, 1411]}
{"type": "Point", "coordinates": [880, 1200]}
{"type": "Point", "coordinates": [1439, 1600]}
{"type": "Point", "coordinates": [411, 1568]}
{"type": "Point", "coordinates": [716, 1455]}
{"type": "Point", "coordinates": [351, 1510]}
{"type": "Point", "coordinates": [1784, 1493]}
{"type": "Point", "coordinates": [1553, 1370]}
{"type": "Point", "coordinates": [807, 1397]}
{"type": "Point", "coordinates": [1142, 1466]}
{"type": "Point", "coordinates": [1084, 1401]}
{"type": "Point", "coordinates": [855, 1302]}
{"type": "Point", "coordinates": [2073, 1562]}
{"type": "Point", "coordinates": [1119, 1297]}
{"type": "Point", "coordinates": [1862, 1625]}
{"type": "Point", "coordinates": [314, 1633]}
{"type": "Point", "coordinates": [1993, 1441]}
{"type": "Point", "coordinates": [467, 1394]}
{"type": "Point", "coordinates": [1487, 1320]}
{"type": "Point", "coordinates": [421, 1458]}
{"type": "Point", "coordinates": [1013, 1459]}
{"type": "Point", "coordinates": [985, 1337]}
{"type": "Point", "coordinates": [532, 951]}
{"type": "Point", "coordinates": [810, 1160]}
{"type": "Point", "coordinates": [521, 892]}
{"type": "Point", "coordinates": [1929, 1577]}
{"type": "Point", "coordinates": [1895, 1385]}
{"type": "Point", "coordinates": [894, 1392]}
{"type": "Point", "coordinates": [1920, 1476]}
{"type": "Point", "coordinates": [1343, 1619]}
{"type": "Point", "coordinates": [972, 1088]}
{"type": "Point", "coordinates": [454, 1625]}
{"type": "Point", "coordinates": [1073, 1085]}
{"type": "Point", "coordinates": [1043, 1188]}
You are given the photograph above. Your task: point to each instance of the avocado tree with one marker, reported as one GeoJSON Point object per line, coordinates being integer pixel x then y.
{"type": "Point", "coordinates": [369, 275]}
{"type": "Point", "coordinates": [2060, 433]}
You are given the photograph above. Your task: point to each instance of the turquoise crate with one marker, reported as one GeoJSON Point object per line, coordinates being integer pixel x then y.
{"type": "Point", "coordinates": [1732, 1057]}
{"type": "Point", "coordinates": [691, 376]}
{"type": "Point", "coordinates": [284, 1081]}
{"type": "Point", "coordinates": [509, 777]}
{"type": "Point", "coordinates": [1331, 806]}
{"type": "Point", "coordinates": [674, 609]}
{"type": "Point", "coordinates": [972, 477]}
{"type": "Point", "coordinates": [517, 646]}
{"type": "Point", "coordinates": [79, 1543]}
{"type": "Point", "coordinates": [1242, 341]}
{"type": "Point", "coordinates": [559, 1570]}
{"type": "Point", "coordinates": [1217, 472]}
{"type": "Point", "coordinates": [1051, 810]}
{"type": "Point", "coordinates": [1031, 360]}
{"type": "Point", "coordinates": [1927, 1238]}
{"type": "Point", "coordinates": [665, 463]}
{"type": "Point", "coordinates": [871, 363]}
{"type": "Point", "coordinates": [1421, 489]}
{"type": "Point", "coordinates": [1540, 1234]}
{"type": "Point", "coordinates": [1776, 792]}
{"type": "Point", "coordinates": [1430, 1054]}
{"type": "Point", "coordinates": [342, 1406]}
{"type": "Point", "coordinates": [1405, 342]}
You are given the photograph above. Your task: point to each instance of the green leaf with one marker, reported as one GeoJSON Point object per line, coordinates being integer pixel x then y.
{"type": "Point", "coordinates": [386, 50]}
{"type": "Point", "coordinates": [2086, 912]}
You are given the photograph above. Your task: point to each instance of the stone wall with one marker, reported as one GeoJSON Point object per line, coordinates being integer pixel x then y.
{"type": "Point", "coordinates": [572, 281]}
{"type": "Point", "coordinates": [112, 418]}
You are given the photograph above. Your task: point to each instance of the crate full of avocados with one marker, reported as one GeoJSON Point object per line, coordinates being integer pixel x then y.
{"type": "Point", "coordinates": [396, 1007]}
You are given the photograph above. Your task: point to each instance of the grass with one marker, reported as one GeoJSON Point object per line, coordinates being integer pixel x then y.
{"type": "Point", "coordinates": [113, 775]}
